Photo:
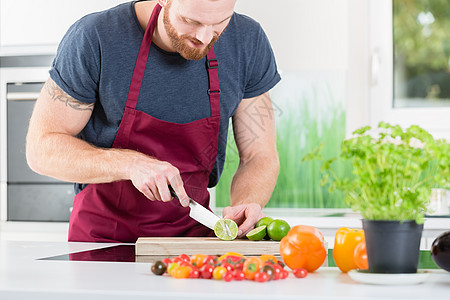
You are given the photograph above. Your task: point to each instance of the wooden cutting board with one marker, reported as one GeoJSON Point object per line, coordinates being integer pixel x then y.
{"type": "Point", "coordinates": [167, 246]}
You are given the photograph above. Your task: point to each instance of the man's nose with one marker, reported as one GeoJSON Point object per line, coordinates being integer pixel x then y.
{"type": "Point", "coordinates": [204, 34]}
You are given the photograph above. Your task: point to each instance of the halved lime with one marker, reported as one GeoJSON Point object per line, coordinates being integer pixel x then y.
{"type": "Point", "coordinates": [264, 221]}
{"type": "Point", "coordinates": [226, 229]}
{"type": "Point", "coordinates": [257, 234]}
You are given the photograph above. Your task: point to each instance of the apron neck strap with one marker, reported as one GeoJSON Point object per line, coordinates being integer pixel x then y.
{"type": "Point", "coordinates": [141, 61]}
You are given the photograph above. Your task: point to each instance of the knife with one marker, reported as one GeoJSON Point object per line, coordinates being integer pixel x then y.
{"type": "Point", "coordinates": [199, 212]}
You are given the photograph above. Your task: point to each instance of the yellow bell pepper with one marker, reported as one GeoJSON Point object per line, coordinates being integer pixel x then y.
{"type": "Point", "coordinates": [345, 242]}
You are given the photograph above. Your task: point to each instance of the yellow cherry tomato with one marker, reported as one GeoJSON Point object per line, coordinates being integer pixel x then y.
{"type": "Point", "coordinates": [218, 272]}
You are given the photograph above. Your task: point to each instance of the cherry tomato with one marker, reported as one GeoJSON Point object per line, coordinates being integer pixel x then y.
{"type": "Point", "coordinates": [252, 266]}
{"type": "Point", "coordinates": [277, 272]}
{"type": "Point", "coordinates": [360, 256]}
{"type": "Point", "coordinates": [261, 277]}
{"type": "Point", "coordinates": [269, 270]}
{"type": "Point", "coordinates": [206, 271]}
{"type": "Point", "coordinates": [185, 257]}
{"type": "Point", "coordinates": [182, 272]}
{"type": "Point", "coordinates": [210, 260]}
{"type": "Point", "coordinates": [177, 260]}
{"type": "Point", "coordinates": [300, 272]}
{"type": "Point", "coordinates": [228, 266]}
{"type": "Point", "coordinates": [167, 261]}
{"type": "Point", "coordinates": [239, 275]}
{"type": "Point", "coordinates": [284, 274]}
{"type": "Point", "coordinates": [195, 273]}
{"type": "Point", "coordinates": [218, 272]}
{"type": "Point", "coordinates": [228, 276]}
{"type": "Point", "coordinates": [159, 268]}
{"type": "Point", "coordinates": [172, 267]}
{"type": "Point", "coordinates": [198, 260]}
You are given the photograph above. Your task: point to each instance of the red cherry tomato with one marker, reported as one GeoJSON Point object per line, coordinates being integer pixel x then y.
{"type": "Point", "coordinates": [300, 272]}
{"type": "Point", "coordinates": [185, 257]}
{"type": "Point", "coordinates": [277, 272]}
{"type": "Point", "coordinates": [284, 274]}
{"type": "Point", "coordinates": [261, 277]}
{"type": "Point", "coordinates": [228, 266]}
{"type": "Point", "coordinates": [210, 260]}
{"type": "Point", "coordinates": [177, 259]}
{"type": "Point", "coordinates": [228, 276]}
{"type": "Point", "coordinates": [195, 273]}
{"type": "Point", "coordinates": [239, 275]}
{"type": "Point", "coordinates": [167, 261]}
{"type": "Point", "coordinates": [206, 271]}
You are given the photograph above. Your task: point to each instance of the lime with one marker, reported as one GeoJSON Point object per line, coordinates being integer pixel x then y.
{"type": "Point", "coordinates": [224, 233]}
{"type": "Point", "coordinates": [257, 234]}
{"type": "Point", "coordinates": [278, 229]}
{"type": "Point", "coordinates": [264, 221]}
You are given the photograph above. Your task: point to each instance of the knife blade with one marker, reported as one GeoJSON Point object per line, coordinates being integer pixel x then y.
{"type": "Point", "coordinates": [199, 212]}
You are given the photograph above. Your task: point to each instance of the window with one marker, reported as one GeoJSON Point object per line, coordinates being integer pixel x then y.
{"type": "Point", "coordinates": [409, 43]}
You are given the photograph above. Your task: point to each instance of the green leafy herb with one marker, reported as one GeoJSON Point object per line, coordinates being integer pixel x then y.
{"type": "Point", "coordinates": [393, 172]}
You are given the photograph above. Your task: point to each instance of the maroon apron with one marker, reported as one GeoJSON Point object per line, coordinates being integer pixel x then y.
{"type": "Point", "coordinates": [117, 211]}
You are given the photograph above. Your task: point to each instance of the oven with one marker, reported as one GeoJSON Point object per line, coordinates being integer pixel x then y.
{"type": "Point", "coordinates": [24, 194]}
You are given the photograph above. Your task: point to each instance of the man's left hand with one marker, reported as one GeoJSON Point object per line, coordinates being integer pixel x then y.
{"type": "Point", "coordinates": [245, 215]}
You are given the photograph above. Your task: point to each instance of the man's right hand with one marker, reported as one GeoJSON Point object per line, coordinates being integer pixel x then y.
{"type": "Point", "coordinates": [152, 178]}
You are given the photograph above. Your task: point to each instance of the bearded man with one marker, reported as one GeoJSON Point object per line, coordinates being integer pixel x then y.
{"type": "Point", "coordinates": [139, 99]}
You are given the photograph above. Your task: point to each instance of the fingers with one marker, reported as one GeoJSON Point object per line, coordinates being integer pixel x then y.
{"type": "Point", "coordinates": [245, 215]}
{"type": "Point", "coordinates": [177, 185]}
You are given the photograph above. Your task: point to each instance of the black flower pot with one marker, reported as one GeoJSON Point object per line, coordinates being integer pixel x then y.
{"type": "Point", "coordinates": [392, 246]}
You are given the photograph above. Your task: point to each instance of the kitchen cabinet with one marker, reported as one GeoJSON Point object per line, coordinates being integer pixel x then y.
{"type": "Point", "coordinates": [30, 25]}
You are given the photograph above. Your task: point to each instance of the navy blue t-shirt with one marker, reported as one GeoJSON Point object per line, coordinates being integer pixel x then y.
{"type": "Point", "coordinates": [96, 58]}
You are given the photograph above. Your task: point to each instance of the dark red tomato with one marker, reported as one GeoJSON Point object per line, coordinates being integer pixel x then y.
{"type": "Point", "coordinates": [269, 270]}
{"type": "Point", "coordinates": [185, 257]}
{"type": "Point", "coordinates": [277, 272]}
{"type": "Point", "coordinates": [300, 272]}
{"type": "Point", "coordinates": [228, 276]}
{"type": "Point", "coordinates": [206, 271]}
{"type": "Point", "coordinates": [159, 268]}
{"type": "Point", "coordinates": [261, 277]}
{"type": "Point", "coordinates": [239, 275]}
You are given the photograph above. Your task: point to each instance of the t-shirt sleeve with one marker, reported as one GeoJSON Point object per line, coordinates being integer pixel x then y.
{"type": "Point", "coordinates": [262, 70]}
{"type": "Point", "coordinates": [76, 67]}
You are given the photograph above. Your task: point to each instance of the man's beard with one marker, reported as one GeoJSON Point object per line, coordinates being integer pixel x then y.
{"type": "Point", "coordinates": [179, 42]}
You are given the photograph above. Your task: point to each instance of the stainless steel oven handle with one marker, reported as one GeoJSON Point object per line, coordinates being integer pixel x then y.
{"type": "Point", "coordinates": [22, 96]}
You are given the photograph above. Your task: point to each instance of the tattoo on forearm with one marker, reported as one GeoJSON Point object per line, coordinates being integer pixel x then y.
{"type": "Point", "coordinates": [57, 94]}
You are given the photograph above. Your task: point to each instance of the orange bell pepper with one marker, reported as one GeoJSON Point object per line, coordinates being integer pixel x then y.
{"type": "Point", "coordinates": [345, 242]}
{"type": "Point", "coordinates": [303, 247]}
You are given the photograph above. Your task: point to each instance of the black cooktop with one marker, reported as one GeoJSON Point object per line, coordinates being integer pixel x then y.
{"type": "Point", "coordinates": [119, 253]}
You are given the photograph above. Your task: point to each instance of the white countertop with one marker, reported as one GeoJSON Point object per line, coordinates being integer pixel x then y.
{"type": "Point", "coordinates": [22, 276]}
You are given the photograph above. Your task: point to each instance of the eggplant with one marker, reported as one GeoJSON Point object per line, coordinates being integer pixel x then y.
{"type": "Point", "coordinates": [440, 251]}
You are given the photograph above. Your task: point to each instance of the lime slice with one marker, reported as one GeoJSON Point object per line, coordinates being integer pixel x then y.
{"type": "Point", "coordinates": [257, 234]}
{"type": "Point", "coordinates": [264, 221]}
{"type": "Point", "coordinates": [226, 229]}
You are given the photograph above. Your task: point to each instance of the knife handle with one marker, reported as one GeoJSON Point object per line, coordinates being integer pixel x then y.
{"type": "Point", "coordinates": [172, 192]}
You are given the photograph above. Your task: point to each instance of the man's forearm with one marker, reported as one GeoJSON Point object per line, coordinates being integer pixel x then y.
{"type": "Point", "coordinates": [71, 159]}
{"type": "Point", "coordinates": [255, 180]}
